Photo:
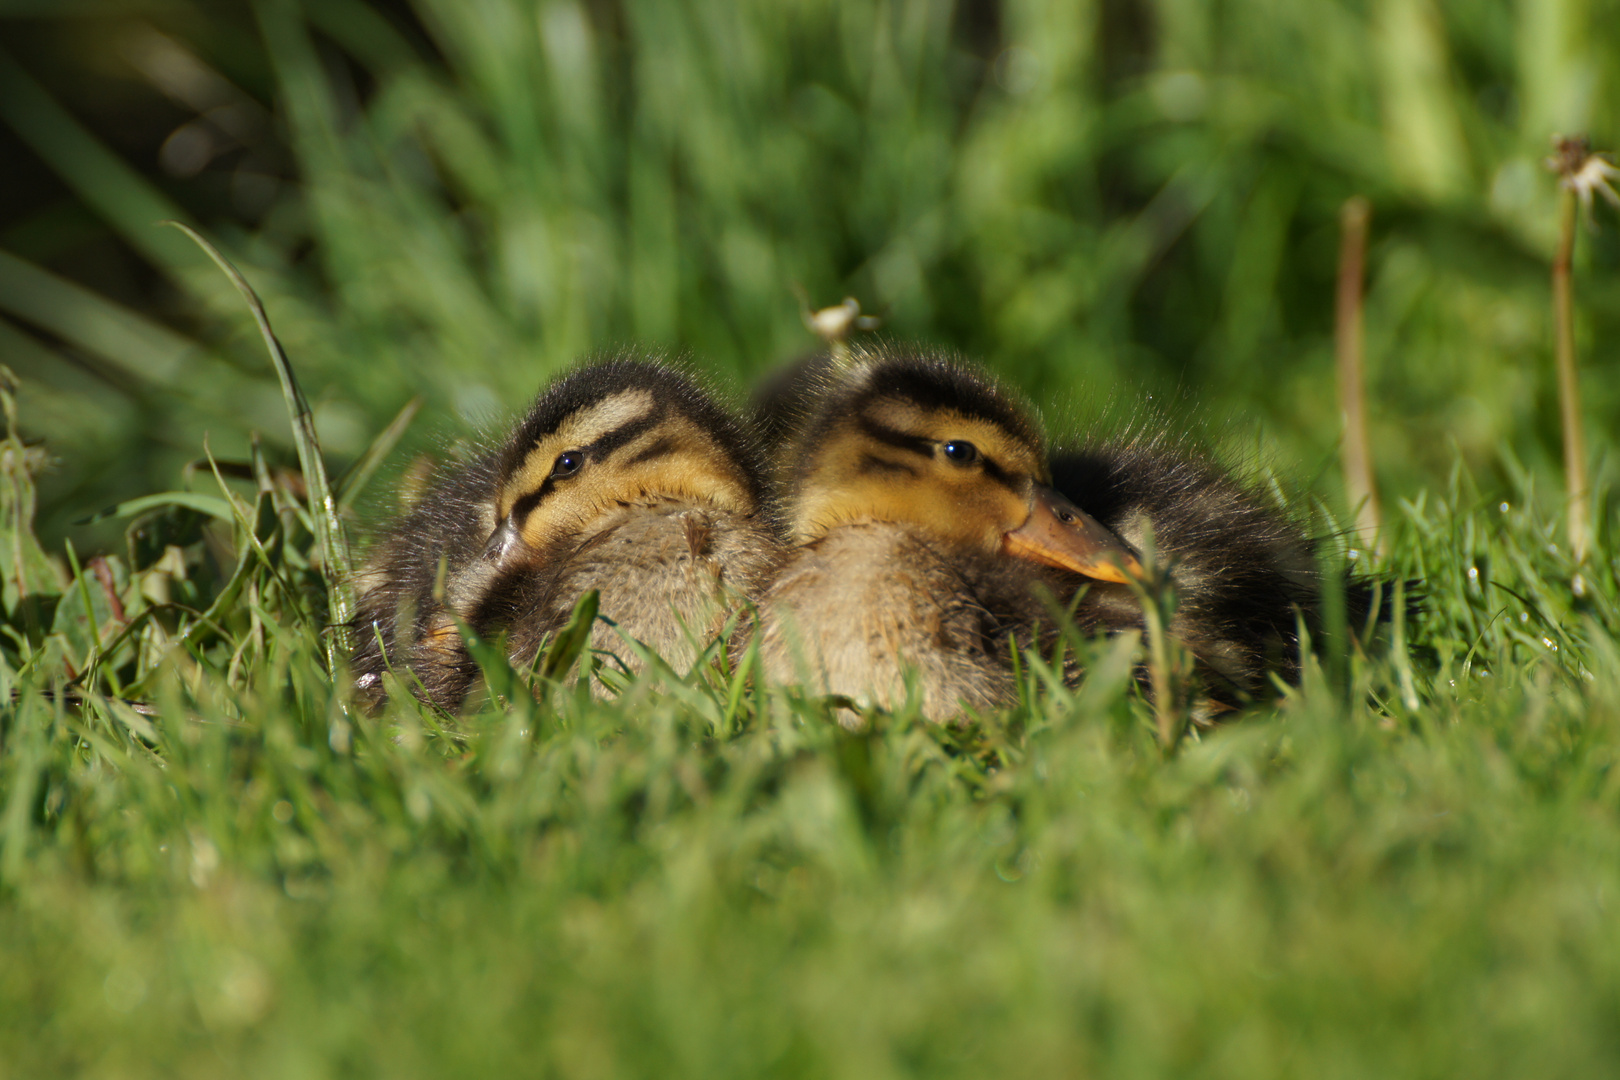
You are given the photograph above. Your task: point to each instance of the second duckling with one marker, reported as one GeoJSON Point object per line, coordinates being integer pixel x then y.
{"type": "Point", "coordinates": [918, 504]}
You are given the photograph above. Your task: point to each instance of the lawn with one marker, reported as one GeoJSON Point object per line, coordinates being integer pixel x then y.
{"type": "Point", "coordinates": [212, 864]}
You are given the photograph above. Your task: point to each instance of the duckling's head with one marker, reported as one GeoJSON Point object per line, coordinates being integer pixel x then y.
{"type": "Point", "coordinates": [921, 441]}
{"type": "Point", "coordinates": [612, 435]}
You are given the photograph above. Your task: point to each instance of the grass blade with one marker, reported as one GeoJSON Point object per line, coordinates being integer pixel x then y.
{"type": "Point", "coordinates": [212, 505]}
{"type": "Point", "coordinates": [336, 562]}
{"type": "Point", "coordinates": [571, 639]}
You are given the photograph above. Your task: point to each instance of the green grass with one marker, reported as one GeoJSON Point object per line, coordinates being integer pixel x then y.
{"type": "Point", "coordinates": [1409, 867]}
{"type": "Point", "coordinates": [1409, 872]}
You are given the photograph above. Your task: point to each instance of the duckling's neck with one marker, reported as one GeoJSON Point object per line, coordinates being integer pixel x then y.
{"type": "Point", "coordinates": [872, 606]}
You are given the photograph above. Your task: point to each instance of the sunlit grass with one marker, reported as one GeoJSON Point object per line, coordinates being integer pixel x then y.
{"type": "Point", "coordinates": [210, 863]}
{"type": "Point", "coordinates": [708, 877]}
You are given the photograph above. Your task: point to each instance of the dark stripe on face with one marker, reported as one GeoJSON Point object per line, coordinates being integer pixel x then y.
{"type": "Point", "coordinates": [623, 434]}
{"type": "Point", "coordinates": [925, 448]}
{"type": "Point", "coordinates": [888, 436]}
{"type": "Point", "coordinates": [999, 475]}
{"type": "Point", "coordinates": [933, 384]}
{"type": "Point", "coordinates": [526, 504]}
{"type": "Point", "coordinates": [657, 449]}
{"type": "Point", "coordinates": [871, 463]}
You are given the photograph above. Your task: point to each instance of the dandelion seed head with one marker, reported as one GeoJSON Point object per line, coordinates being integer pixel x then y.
{"type": "Point", "coordinates": [1582, 171]}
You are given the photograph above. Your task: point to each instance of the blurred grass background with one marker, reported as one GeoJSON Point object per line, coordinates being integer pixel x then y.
{"type": "Point", "coordinates": [1406, 869]}
{"type": "Point", "coordinates": [1110, 202]}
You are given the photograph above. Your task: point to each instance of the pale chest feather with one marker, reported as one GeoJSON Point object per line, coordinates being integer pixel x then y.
{"type": "Point", "coordinates": [868, 608]}
{"type": "Point", "coordinates": [668, 576]}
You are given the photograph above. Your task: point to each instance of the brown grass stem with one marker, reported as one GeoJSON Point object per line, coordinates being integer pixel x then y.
{"type": "Point", "coordinates": [1349, 350]}
{"type": "Point", "coordinates": [1569, 406]}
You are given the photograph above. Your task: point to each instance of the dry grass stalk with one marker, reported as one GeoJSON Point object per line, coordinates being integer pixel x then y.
{"type": "Point", "coordinates": [1580, 527]}
{"type": "Point", "coordinates": [1360, 486]}
{"type": "Point", "coordinates": [1580, 174]}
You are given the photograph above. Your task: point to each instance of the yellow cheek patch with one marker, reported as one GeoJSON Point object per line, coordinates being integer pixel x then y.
{"type": "Point", "coordinates": [962, 506]}
{"type": "Point", "coordinates": [859, 474]}
{"type": "Point", "coordinates": [579, 430]}
{"type": "Point", "coordinates": [676, 461]}
{"type": "Point", "coordinates": [698, 479]}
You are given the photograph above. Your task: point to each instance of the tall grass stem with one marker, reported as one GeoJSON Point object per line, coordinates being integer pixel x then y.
{"type": "Point", "coordinates": [336, 561]}
{"type": "Point", "coordinates": [1569, 406]}
{"type": "Point", "coordinates": [1349, 350]}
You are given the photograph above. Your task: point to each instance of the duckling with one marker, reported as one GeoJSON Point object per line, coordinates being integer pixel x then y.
{"type": "Point", "coordinates": [624, 477]}
{"type": "Point", "coordinates": [920, 514]}
{"type": "Point", "coordinates": [1243, 572]}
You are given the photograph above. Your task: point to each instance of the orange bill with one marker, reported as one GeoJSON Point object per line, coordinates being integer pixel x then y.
{"type": "Point", "coordinates": [1059, 533]}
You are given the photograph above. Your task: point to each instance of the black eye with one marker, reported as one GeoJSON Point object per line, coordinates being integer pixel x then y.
{"type": "Point", "coordinates": [962, 453]}
{"type": "Point", "coordinates": [568, 463]}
